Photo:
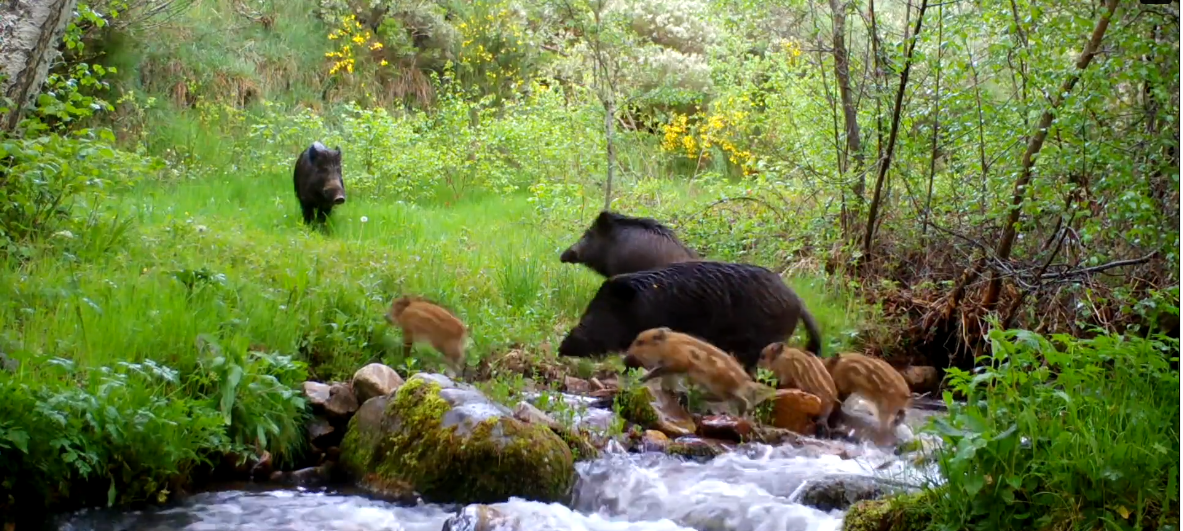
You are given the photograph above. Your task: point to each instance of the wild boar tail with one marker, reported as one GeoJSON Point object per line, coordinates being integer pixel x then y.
{"type": "Point", "coordinates": [815, 336]}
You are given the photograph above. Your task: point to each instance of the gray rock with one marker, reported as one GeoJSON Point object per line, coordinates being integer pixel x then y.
{"type": "Point", "coordinates": [321, 433]}
{"type": "Point", "coordinates": [526, 412]}
{"type": "Point", "coordinates": [373, 380]}
{"type": "Point", "coordinates": [342, 403]}
{"type": "Point", "coordinates": [841, 491]}
{"type": "Point", "coordinates": [317, 395]}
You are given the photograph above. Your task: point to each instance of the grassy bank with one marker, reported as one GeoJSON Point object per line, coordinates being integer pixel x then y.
{"type": "Point", "coordinates": [212, 302]}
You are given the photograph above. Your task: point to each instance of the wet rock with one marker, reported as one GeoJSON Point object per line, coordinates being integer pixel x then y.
{"type": "Point", "coordinates": [342, 403]}
{"type": "Point", "coordinates": [481, 518]}
{"type": "Point", "coordinates": [795, 410]}
{"type": "Point", "coordinates": [576, 385]}
{"type": "Point", "coordinates": [333, 454]}
{"type": "Point", "coordinates": [595, 384]}
{"type": "Point", "coordinates": [321, 433]}
{"type": "Point", "coordinates": [840, 492]}
{"type": "Point", "coordinates": [317, 395]}
{"type": "Point", "coordinates": [654, 408]}
{"type": "Point", "coordinates": [526, 412]}
{"type": "Point", "coordinates": [373, 380]}
{"type": "Point", "coordinates": [773, 436]}
{"type": "Point", "coordinates": [922, 378]}
{"type": "Point", "coordinates": [450, 443]}
{"type": "Point", "coordinates": [313, 476]}
{"type": "Point", "coordinates": [725, 427]}
{"type": "Point", "coordinates": [698, 447]}
{"type": "Point", "coordinates": [654, 441]}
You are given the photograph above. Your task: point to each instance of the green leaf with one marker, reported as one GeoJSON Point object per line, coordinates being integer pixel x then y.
{"type": "Point", "coordinates": [229, 390]}
{"type": "Point", "coordinates": [111, 494]}
{"type": "Point", "coordinates": [973, 483]}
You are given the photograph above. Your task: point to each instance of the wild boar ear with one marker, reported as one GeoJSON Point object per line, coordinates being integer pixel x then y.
{"type": "Point", "coordinates": [621, 288]}
{"type": "Point", "coordinates": [603, 221]}
{"type": "Point", "coordinates": [338, 151]}
{"type": "Point", "coordinates": [312, 154]}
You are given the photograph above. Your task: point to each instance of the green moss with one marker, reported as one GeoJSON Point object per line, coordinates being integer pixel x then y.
{"type": "Point", "coordinates": [498, 458]}
{"type": "Point", "coordinates": [905, 512]}
{"type": "Point", "coordinates": [577, 442]}
{"type": "Point", "coordinates": [635, 404]}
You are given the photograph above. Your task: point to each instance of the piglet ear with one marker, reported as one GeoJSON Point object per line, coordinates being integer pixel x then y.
{"type": "Point", "coordinates": [662, 333]}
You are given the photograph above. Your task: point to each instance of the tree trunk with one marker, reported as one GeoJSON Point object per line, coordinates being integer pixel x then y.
{"type": "Point", "coordinates": [854, 146]}
{"type": "Point", "coordinates": [30, 31]}
{"type": "Point", "coordinates": [1009, 230]}
{"type": "Point", "coordinates": [610, 137]}
{"type": "Point", "coordinates": [885, 164]}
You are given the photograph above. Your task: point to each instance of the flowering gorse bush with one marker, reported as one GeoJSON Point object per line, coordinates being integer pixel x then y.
{"type": "Point", "coordinates": [498, 52]}
{"type": "Point", "coordinates": [695, 136]}
{"type": "Point", "coordinates": [352, 36]}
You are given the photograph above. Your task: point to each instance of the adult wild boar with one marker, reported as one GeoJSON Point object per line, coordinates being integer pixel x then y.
{"type": "Point", "coordinates": [617, 244]}
{"type": "Point", "coordinates": [739, 308]}
{"type": "Point", "coordinates": [319, 186]}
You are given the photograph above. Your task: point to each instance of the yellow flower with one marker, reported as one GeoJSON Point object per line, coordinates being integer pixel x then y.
{"type": "Point", "coordinates": [384, 63]}
{"type": "Point", "coordinates": [376, 46]}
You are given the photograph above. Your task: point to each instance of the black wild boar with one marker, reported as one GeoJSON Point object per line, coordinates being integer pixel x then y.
{"type": "Point", "coordinates": [319, 186]}
{"type": "Point", "coordinates": [617, 244]}
{"type": "Point", "coordinates": [739, 308]}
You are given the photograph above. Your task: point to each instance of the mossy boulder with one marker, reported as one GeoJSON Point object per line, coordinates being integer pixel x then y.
{"type": "Point", "coordinates": [904, 512]}
{"type": "Point", "coordinates": [450, 444]}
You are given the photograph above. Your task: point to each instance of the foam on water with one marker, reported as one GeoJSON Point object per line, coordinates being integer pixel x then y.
{"type": "Point", "coordinates": [754, 488]}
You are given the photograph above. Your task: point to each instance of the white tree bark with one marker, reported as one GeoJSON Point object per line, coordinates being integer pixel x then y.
{"type": "Point", "coordinates": [30, 32]}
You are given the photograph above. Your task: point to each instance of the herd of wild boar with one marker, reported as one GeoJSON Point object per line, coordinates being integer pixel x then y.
{"type": "Point", "coordinates": [670, 311]}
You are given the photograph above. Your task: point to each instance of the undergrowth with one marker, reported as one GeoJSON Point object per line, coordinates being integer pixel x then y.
{"type": "Point", "coordinates": [1062, 433]}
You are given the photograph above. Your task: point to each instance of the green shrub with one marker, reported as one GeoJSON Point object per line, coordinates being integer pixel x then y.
{"type": "Point", "coordinates": [54, 184]}
{"type": "Point", "coordinates": [1063, 432]}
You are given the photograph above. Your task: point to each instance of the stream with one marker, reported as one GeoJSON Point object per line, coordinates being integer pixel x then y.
{"type": "Point", "coordinates": [753, 488]}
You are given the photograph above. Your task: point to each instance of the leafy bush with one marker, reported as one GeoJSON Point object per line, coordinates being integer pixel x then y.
{"type": "Point", "coordinates": [1063, 431]}
{"type": "Point", "coordinates": [105, 434]}
{"type": "Point", "coordinates": [58, 184]}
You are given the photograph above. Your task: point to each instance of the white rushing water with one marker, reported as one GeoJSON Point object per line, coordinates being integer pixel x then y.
{"type": "Point", "coordinates": [754, 488]}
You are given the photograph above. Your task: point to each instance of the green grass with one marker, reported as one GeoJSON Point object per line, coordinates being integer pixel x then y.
{"type": "Point", "coordinates": [217, 302]}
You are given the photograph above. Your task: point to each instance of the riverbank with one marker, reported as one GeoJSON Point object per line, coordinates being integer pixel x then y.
{"type": "Point", "coordinates": [190, 334]}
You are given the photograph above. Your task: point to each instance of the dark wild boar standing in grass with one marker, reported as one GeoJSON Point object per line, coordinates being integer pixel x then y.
{"type": "Point", "coordinates": [617, 244]}
{"type": "Point", "coordinates": [739, 308]}
{"type": "Point", "coordinates": [319, 185]}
